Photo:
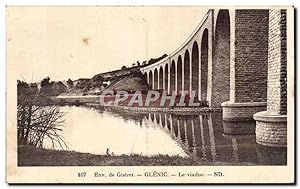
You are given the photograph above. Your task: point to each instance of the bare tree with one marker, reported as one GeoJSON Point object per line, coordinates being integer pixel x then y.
{"type": "Point", "coordinates": [37, 120]}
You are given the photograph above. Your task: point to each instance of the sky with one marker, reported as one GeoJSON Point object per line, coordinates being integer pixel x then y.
{"type": "Point", "coordinates": [79, 42]}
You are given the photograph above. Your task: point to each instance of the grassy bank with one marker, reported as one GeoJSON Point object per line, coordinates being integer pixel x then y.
{"type": "Point", "coordinates": [31, 156]}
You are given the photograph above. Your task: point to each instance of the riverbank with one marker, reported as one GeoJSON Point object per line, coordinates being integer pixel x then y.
{"type": "Point", "coordinates": [143, 99]}
{"type": "Point", "coordinates": [93, 101]}
{"type": "Point", "coordinates": [171, 110]}
{"type": "Point", "coordinates": [31, 156]}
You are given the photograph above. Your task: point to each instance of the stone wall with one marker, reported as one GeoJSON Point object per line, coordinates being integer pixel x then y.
{"type": "Point", "coordinates": [283, 70]}
{"type": "Point", "coordinates": [271, 134]}
{"type": "Point", "coordinates": [241, 111]}
{"type": "Point", "coordinates": [277, 68]}
{"type": "Point", "coordinates": [251, 55]}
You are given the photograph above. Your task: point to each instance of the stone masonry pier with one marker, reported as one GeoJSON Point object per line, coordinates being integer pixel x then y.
{"type": "Point", "coordinates": [271, 125]}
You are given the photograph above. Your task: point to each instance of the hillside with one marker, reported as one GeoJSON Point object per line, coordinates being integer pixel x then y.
{"type": "Point", "coordinates": [132, 82]}
{"type": "Point", "coordinates": [129, 79]}
{"type": "Point", "coordinates": [125, 79]}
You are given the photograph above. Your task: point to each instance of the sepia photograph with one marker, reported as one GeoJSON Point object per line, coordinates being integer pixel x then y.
{"type": "Point", "coordinates": [150, 94]}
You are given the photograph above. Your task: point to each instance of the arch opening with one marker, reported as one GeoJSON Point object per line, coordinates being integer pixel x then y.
{"type": "Point", "coordinates": [146, 77]}
{"type": "Point", "coordinates": [155, 79]}
{"type": "Point", "coordinates": [221, 63]}
{"type": "Point", "coordinates": [172, 77]}
{"type": "Point", "coordinates": [151, 79]}
{"type": "Point", "coordinates": [166, 76]}
{"type": "Point", "coordinates": [186, 71]}
{"type": "Point", "coordinates": [195, 68]}
{"type": "Point", "coordinates": [204, 65]}
{"type": "Point", "coordinates": [161, 79]}
{"type": "Point", "coordinates": [179, 75]}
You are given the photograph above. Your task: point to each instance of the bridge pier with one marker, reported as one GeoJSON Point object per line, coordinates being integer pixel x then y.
{"type": "Point", "coordinates": [271, 125]}
{"type": "Point", "coordinates": [248, 65]}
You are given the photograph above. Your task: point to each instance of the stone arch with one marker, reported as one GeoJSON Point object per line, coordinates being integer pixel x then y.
{"type": "Point", "coordinates": [146, 77]}
{"type": "Point", "coordinates": [161, 77]}
{"type": "Point", "coordinates": [151, 79]}
{"type": "Point", "coordinates": [166, 76]}
{"type": "Point", "coordinates": [195, 68]}
{"type": "Point", "coordinates": [186, 70]}
{"type": "Point", "coordinates": [179, 74]}
{"type": "Point", "coordinates": [172, 76]}
{"type": "Point", "coordinates": [221, 59]}
{"type": "Point", "coordinates": [204, 65]}
{"type": "Point", "coordinates": [155, 79]}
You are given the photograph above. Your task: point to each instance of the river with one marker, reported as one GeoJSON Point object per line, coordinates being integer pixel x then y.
{"type": "Point", "coordinates": [202, 137]}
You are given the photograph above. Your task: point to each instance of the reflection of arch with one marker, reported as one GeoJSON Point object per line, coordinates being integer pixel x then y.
{"type": "Point", "coordinates": [161, 73]}
{"type": "Point", "coordinates": [204, 65]}
{"type": "Point", "coordinates": [155, 79]}
{"type": "Point", "coordinates": [181, 129]}
{"type": "Point", "coordinates": [152, 117]}
{"type": "Point", "coordinates": [163, 119]}
{"type": "Point", "coordinates": [221, 64]}
{"type": "Point", "coordinates": [186, 70]}
{"type": "Point", "coordinates": [151, 79]}
{"type": "Point", "coordinates": [179, 74]}
{"type": "Point", "coordinates": [172, 124]}
{"type": "Point", "coordinates": [172, 77]}
{"type": "Point", "coordinates": [166, 76]}
{"type": "Point", "coordinates": [189, 133]}
{"type": "Point", "coordinates": [175, 125]}
{"type": "Point", "coordinates": [168, 122]}
{"type": "Point", "coordinates": [195, 68]}
{"type": "Point", "coordinates": [157, 116]}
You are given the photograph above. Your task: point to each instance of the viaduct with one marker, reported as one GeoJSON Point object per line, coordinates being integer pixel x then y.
{"type": "Point", "coordinates": [236, 59]}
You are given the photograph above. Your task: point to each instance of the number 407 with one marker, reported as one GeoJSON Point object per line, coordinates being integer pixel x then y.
{"type": "Point", "coordinates": [82, 174]}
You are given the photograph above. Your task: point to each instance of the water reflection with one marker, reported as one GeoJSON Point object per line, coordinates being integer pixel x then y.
{"type": "Point", "coordinates": [90, 131]}
{"type": "Point", "coordinates": [197, 136]}
{"type": "Point", "coordinates": [204, 137]}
